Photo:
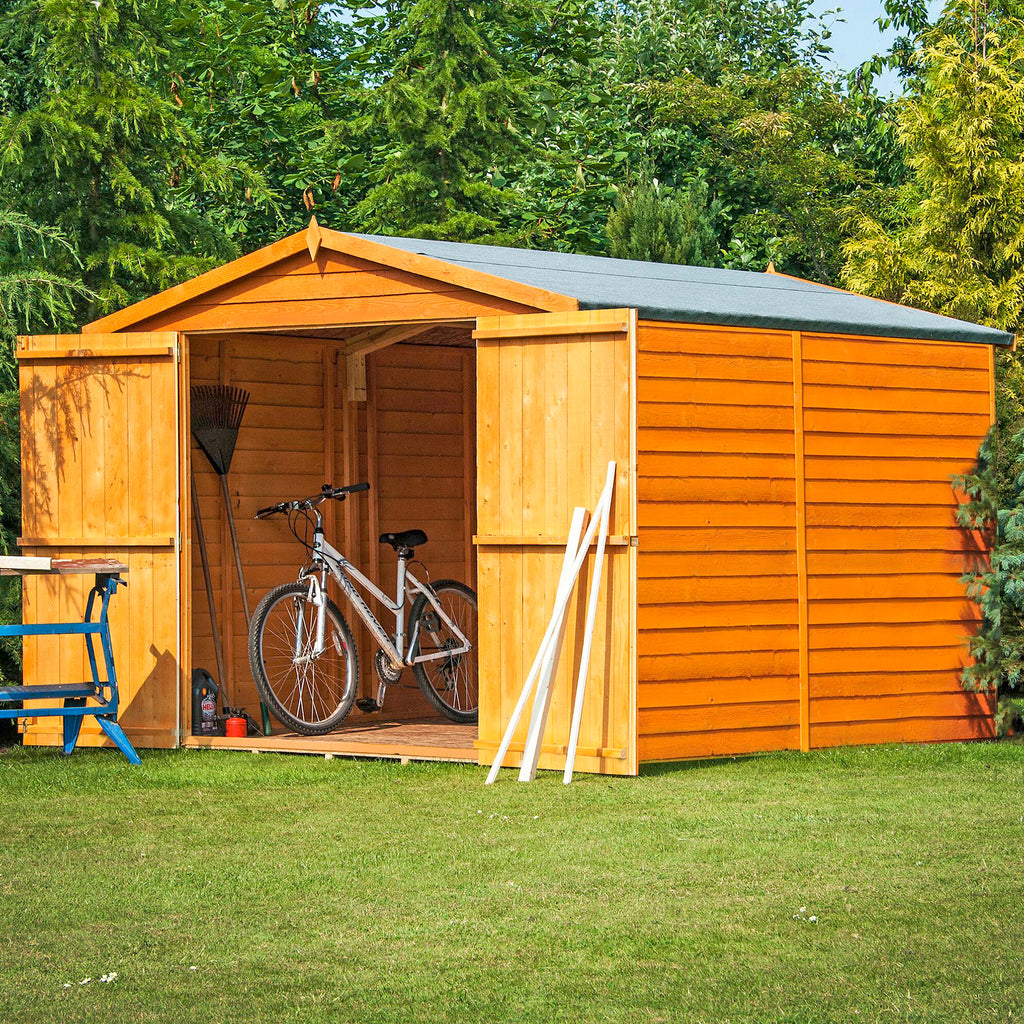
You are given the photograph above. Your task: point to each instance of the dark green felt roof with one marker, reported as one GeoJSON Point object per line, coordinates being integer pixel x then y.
{"type": "Point", "coordinates": [700, 295]}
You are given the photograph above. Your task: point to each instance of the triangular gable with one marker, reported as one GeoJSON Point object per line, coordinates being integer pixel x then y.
{"type": "Point", "coordinates": [251, 278]}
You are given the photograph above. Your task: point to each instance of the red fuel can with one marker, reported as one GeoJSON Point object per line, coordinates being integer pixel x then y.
{"type": "Point", "coordinates": [236, 727]}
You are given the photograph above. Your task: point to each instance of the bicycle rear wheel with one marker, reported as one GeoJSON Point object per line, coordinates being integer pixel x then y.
{"type": "Point", "coordinates": [307, 692]}
{"type": "Point", "coordinates": [449, 683]}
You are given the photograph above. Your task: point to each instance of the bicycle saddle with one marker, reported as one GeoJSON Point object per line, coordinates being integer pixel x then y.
{"type": "Point", "coordinates": [407, 539]}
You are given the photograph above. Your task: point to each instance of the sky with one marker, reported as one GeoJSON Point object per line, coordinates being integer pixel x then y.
{"type": "Point", "coordinates": [856, 38]}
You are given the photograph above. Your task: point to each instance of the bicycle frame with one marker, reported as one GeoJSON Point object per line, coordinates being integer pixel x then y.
{"type": "Point", "coordinates": [326, 558]}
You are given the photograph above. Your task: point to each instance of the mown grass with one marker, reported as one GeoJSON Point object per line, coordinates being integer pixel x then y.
{"type": "Point", "coordinates": [231, 887]}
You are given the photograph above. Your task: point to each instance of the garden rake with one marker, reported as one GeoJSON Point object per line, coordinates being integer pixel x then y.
{"type": "Point", "coordinates": [217, 411]}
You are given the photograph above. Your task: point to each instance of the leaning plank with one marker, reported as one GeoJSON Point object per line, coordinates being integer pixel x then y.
{"type": "Point", "coordinates": [604, 511]}
{"type": "Point", "coordinates": [542, 700]}
{"type": "Point", "coordinates": [559, 610]}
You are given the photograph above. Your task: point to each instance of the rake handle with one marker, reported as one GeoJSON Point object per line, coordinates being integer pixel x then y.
{"type": "Point", "coordinates": [238, 554]}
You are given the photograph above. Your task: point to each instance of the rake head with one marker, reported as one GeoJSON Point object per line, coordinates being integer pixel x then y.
{"type": "Point", "coordinates": [217, 411]}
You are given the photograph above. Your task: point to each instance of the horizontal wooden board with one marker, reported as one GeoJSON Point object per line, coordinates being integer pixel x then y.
{"type": "Point", "coordinates": [912, 636]}
{"type": "Point", "coordinates": [716, 514]}
{"type": "Point", "coordinates": [724, 613]}
{"type": "Point", "coordinates": [698, 539]}
{"type": "Point", "coordinates": [866, 397]}
{"type": "Point", "coordinates": [861, 684]}
{"type": "Point", "coordinates": [902, 424]}
{"type": "Point", "coordinates": [712, 717]}
{"type": "Point", "coordinates": [747, 342]}
{"type": "Point", "coordinates": [697, 590]}
{"type": "Point", "coordinates": [908, 730]}
{"type": "Point", "coordinates": [684, 366]}
{"type": "Point", "coordinates": [714, 417]}
{"type": "Point", "coordinates": [906, 377]}
{"type": "Point", "coordinates": [850, 492]}
{"type": "Point", "coordinates": [682, 693]}
{"type": "Point", "coordinates": [736, 640]}
{"type": "Point", "coordinates": [667, 565]}
{"type": "Point", "coordinates": [893, 706]}
{"type": "Point", "coordinates": [714, 393]}
{"type": "Point", "coordinates": [716, 489]}
{"type": "Point", "coordinates": [668, 439]}
{"type": "Point", "coordinates": [749, 666]}
{"type": "Point", "coordinates": [948, 652]}
{"type": "Point", "coordinates": [738, 466]}
{"type": "Point", "coordinates": [892, 352]}
{"type": "Point", "coordinates": [884, 468]}
{"type": "Point", "coordinates": [723, 743]}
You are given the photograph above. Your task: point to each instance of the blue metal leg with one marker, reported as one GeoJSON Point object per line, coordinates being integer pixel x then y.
{"type": "Point", "coordinates": [72, 723]}
{"type": "Point", "coordinates": [116, 733]}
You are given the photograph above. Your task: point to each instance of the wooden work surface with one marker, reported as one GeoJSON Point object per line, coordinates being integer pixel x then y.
{"type": "Point", "coordinates": [60, 566]}
{"type": "Point", "coordinates": [407, 741]}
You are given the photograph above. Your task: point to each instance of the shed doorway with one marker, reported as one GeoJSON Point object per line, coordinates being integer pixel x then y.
{"type": "Point", "coordinates": [404, 421]}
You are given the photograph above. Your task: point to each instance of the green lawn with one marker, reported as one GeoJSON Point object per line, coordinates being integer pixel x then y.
{"type": "Point", "coordinates": [231, 887]}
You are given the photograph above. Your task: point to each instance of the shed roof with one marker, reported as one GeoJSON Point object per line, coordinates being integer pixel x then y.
{"type": "Point", "coordinates": [663, 291]}
{"type": "Point", "coordinates": [556, 280]}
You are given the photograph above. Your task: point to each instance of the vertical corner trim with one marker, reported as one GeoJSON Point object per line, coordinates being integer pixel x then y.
{"type": "Point", "coordinates": [801, 541]}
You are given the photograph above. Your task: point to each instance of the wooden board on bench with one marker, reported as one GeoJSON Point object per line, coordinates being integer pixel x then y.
{"type": "Point", "coordinates": [27, 565]}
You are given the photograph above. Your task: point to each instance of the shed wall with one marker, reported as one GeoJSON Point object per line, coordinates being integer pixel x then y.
{"type": "Point", "coordinates": [886, 425]}
{"type": "Point", "coordinates": [717, 570]}
{"type": "Point", "coordinates": [799, 560]}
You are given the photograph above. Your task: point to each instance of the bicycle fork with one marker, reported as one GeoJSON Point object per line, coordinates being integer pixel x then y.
{"type": "Point", "coordinates": [302, 654]}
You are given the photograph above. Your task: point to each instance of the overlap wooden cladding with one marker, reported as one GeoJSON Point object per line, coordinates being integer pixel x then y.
{"type": "Point", "coordinates": [783, 562]}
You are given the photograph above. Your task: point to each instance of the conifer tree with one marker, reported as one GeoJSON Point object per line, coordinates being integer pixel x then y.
{"type": "Point", "coordinates": [450, 105]}
{"type": "Point", "coordinates": [92, 143]}
{"type": "Point", "coordinates": [651, 222]}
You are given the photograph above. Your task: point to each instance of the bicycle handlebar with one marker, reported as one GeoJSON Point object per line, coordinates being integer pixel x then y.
{"type": "Point", "coordinates": [327, 491]}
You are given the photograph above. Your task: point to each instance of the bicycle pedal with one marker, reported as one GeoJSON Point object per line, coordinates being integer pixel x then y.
{"type": "Point", "coordinates": [367, 704]}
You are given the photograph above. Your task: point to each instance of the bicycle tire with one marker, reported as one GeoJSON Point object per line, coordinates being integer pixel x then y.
{"type": "Point", "coordinates": [311, 702]}
{"type": "Point", "coordinates": [451, 685]}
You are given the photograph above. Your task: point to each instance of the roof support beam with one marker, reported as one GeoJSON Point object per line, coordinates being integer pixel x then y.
{"type": "Point", "coordinates": [360, 345]}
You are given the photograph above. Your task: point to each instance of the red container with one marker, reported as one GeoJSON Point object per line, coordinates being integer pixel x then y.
{"type": "Point", "coordinates": [236, 727]}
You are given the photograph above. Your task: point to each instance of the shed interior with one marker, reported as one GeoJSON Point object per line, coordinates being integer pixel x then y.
{"type": "Point", "coordinates": [408, 428]}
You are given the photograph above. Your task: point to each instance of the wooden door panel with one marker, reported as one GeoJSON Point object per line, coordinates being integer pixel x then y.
{"type": "Point", "coordinates": [555, 405]}
{"type": "Point", "coordinates": [101, 477]}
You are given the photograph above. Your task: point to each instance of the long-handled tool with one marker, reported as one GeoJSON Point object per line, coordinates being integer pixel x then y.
{"type": "Point", "coordinates": [197, 517]}
{"type": "Point", "coordinates": [217, 411]}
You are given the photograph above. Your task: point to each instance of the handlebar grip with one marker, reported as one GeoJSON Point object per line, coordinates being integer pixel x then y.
{"type": "Point", "coordinates": [270, 510]}
{"type": "Point", "coordinates": [356, 488]}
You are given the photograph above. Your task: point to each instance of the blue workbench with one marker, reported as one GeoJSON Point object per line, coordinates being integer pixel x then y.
{"type": "Point", "coordinates": [97, 697]}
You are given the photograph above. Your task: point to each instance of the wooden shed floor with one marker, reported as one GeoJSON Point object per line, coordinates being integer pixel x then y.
{"type": "Point", "coordinates": [424, 740]}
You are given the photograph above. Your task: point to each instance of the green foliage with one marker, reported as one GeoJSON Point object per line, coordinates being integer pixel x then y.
{"type": "Point", "coordinates": [92, 144]}
{"type": "Point", "coordinates": [951, 239]}
{"type": "Point", "coordinates": [661, 225]}
{"type": "Point", "coordinates": [32, 298]}
{"type": "Point", "coordinates": [775, 150]}
{"type": "Point", "coordinates": [452, 107]}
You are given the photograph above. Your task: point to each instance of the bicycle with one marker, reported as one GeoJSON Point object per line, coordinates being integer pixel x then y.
{"type": "Point", "coordinates": [303, 655]}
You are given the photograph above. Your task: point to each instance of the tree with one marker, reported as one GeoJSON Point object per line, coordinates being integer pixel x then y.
{"type": "Point", "coordinates": [95, 149]}
{"type": "Point", "coordinates": [451, 103]}
{"type": "Point", "coordinates": [951, 239]}
{"type": "Point", "coordinates": [662, 225]}
{"type": "Point", "coordinates": [32, 298]}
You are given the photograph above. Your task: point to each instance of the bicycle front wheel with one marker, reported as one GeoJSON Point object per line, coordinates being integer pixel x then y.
{"type": "Point", "coordinates": [448, 682]}
{"type": "Point", "coordinates": [308, 692]}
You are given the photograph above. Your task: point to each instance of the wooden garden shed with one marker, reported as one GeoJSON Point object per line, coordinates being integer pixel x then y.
{"type": "Point", "coordinates": [783, 563]}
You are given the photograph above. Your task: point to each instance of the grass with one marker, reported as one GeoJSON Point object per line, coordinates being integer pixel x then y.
{"type": "Point", "coordinates": [230, 887]}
